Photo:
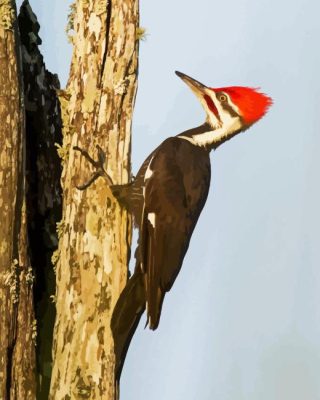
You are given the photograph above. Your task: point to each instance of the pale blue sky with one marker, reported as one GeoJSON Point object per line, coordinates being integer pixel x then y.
{"type": "Point", "coordinates": [243, 319]}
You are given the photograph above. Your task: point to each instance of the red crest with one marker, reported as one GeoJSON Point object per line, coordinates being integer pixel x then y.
{"type": "Point", "coordinates": [252, 104]}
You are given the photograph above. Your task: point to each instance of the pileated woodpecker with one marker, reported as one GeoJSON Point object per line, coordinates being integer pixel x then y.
{"type": "Point", "coordinates": [171, 188]}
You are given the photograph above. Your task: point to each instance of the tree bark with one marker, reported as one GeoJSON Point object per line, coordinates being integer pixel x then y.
{"type": "Point", "coordinates": [18, 327]}
{"type": "Point", "coordinates": [95, 232]}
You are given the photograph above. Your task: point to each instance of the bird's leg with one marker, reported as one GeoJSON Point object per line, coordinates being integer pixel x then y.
{"type": "Point", "coordinates": [98, 165]}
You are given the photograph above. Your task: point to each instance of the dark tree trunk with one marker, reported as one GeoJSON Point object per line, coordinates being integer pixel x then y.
{"type": "Point", "coordinates": [44, 200]}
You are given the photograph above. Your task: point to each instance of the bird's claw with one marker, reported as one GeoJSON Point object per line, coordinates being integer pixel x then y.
{"type": "Point", "coordinates": [98, 165]}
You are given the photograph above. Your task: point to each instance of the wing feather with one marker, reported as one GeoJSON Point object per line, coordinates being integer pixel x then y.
{"type": "Point", "coordinates": [175, 191]}
{"type": "Point", "coordinates": [163, 230]}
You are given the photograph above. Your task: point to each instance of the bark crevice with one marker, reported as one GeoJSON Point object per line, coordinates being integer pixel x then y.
{"type": "Point", "coordinates": [105, 52]}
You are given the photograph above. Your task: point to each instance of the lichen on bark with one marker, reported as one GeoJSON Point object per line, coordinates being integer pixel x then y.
{"type": "Point", "coordinates": [7, 14]}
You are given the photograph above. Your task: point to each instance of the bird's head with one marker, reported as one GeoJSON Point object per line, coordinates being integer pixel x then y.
{"type": "Point", "coordinates": [229, 110]}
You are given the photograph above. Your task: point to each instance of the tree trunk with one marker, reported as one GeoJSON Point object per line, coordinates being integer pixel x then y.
{"type": "Point", "coordinates": [95, 232]}
{"type": "Point", "coordinates": [43, 170]}
{"type": "Point", "coordinates": [18, 328]}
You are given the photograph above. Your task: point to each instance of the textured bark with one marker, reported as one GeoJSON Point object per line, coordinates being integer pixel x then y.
{"type": "Point", "coordinates": [18, 329]}
{"type": "Point", "coordinates": [44, 203]}
{"type": "Point", "coordinates": [95, 232]}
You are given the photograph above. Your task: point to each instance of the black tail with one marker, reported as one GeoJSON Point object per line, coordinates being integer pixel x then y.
{"type": "Point", "coordinates": [126, 316]}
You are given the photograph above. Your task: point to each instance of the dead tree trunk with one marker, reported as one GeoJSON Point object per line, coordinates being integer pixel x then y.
{"type": "Point", "coordinates": [95, 232]}
{"type": "Point", "coordinates": [43, 170]}
{"type": "Point", "coordinates": [18, 328]}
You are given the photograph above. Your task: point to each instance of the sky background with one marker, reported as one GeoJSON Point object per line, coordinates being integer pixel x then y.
{"type": "Point", "coordinates": [242, 321]}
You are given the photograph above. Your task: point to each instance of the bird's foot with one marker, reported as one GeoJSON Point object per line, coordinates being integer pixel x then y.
{"type": "Point", "coordinates": [97, 164]}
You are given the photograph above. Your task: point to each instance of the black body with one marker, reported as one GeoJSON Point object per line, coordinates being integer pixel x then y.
{"type": "Point", "coordinates": [166, 199]}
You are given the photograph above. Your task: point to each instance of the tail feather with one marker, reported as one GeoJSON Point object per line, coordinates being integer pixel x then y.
{"type": "Point", "coordinates": [126, 316]}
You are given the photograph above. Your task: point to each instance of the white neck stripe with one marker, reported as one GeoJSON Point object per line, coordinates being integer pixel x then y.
{"type": "Point", "coordinates": [189, 139]}
{"type": "Point", "coordinates": [213, 136]}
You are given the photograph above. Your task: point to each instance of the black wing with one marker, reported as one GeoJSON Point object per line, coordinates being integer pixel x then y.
{"type": "Point", "coordinates": [175, 193]}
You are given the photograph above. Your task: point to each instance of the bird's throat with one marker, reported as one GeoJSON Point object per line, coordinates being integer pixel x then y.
{"type": "Point", "coordinates": [208, 137]}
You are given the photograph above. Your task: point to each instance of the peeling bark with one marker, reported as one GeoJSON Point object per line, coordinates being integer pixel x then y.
{"type": "Point", "coordinates": [94, 246]}
{"type": "Point", "coordinates": [18, 329]}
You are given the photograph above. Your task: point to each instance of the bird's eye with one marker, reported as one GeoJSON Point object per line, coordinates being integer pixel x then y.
{"type": "Point", "coordinates": [223, 97]}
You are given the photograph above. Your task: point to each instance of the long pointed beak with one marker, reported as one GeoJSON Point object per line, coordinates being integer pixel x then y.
{"type": "Point", "coordinates": [197, 87]}
{"type": "Point", "coordinates": [205, 95]}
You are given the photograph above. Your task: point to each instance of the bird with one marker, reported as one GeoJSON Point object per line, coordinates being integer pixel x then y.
{"type": "Point", "coordinates": [171, 187]}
